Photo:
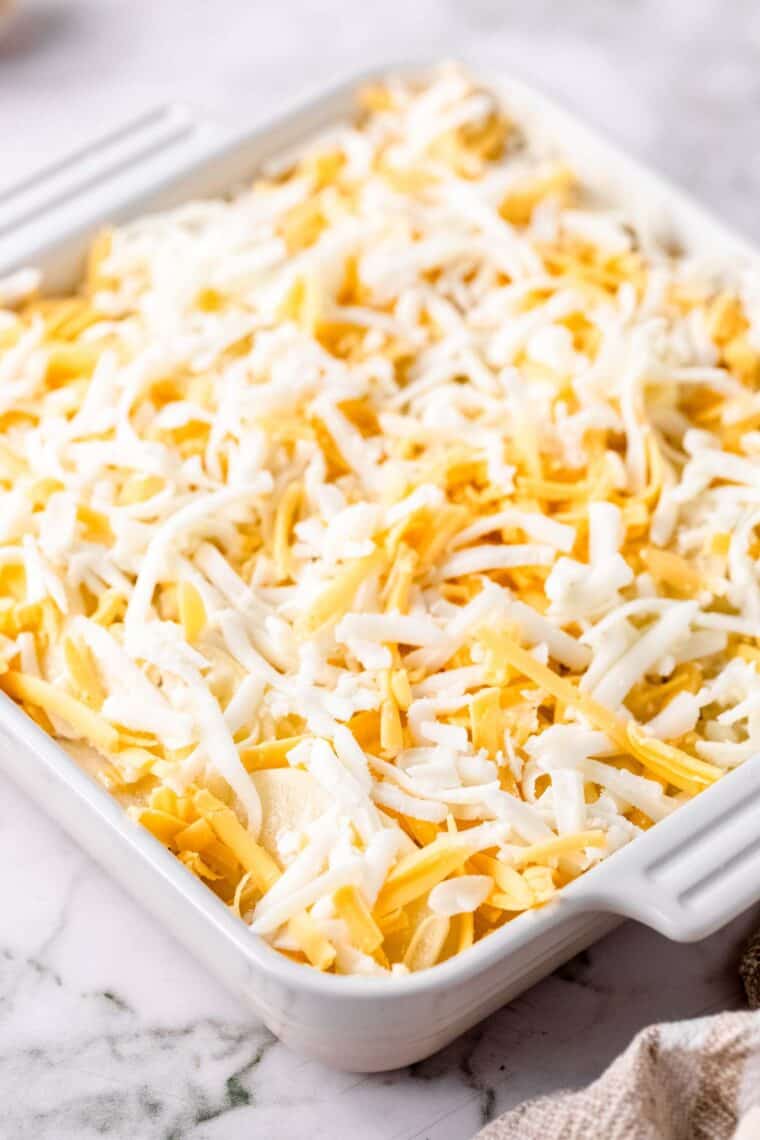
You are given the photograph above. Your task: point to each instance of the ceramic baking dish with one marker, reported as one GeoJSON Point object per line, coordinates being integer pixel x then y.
{"type": "Point", "coordinates": [687, 877]}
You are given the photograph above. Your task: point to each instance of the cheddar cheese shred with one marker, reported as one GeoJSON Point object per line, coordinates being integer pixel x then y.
{"type": "Point", "coordinates": [386, 536]}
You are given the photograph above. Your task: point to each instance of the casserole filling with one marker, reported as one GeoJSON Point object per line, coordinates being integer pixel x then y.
{"type": "Point", "coordinates": [386, 536]}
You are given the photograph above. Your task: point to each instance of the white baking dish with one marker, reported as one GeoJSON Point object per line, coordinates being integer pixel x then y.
{"type": "Point", "coordinates": [691, 874]}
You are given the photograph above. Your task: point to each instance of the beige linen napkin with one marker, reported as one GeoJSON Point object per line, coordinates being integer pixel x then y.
{"type": "Point", "coordinates": [690, 1080]}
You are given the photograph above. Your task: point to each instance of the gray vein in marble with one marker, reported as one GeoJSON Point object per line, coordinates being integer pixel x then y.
{"type": "Point", "coordinates": [120, 1078]}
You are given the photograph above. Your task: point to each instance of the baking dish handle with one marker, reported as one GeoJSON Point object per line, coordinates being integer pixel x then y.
{"type": "Point", "coordinates": [100, 179]}
{"type": "Point", "coordinates": [692, 873]}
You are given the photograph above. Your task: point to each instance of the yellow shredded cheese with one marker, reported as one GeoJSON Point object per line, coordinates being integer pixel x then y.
{"type": "Point", "coordinates": [418, 872]}
{"type": "Point", "coordinates": [318, 949]}
{"type": "Point", "coordinates": [226, 826]}
{"type": "Point", "coordinates": [78, 716]}
{"type": "Point", "coordinates": [365, 933]}
{"type": "Point", "coordinates": [192, 612]}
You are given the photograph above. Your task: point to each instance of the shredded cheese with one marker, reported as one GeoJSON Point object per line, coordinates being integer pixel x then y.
{"type": "Point", "coordinates": [388, 532]}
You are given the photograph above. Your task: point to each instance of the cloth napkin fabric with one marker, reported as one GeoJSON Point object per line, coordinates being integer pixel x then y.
{"type": "Point", "coordinates": [689, 1080]}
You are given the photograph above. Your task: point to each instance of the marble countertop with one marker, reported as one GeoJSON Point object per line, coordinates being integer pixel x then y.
{"type": "Point", "coordinates": [107, 1026]}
